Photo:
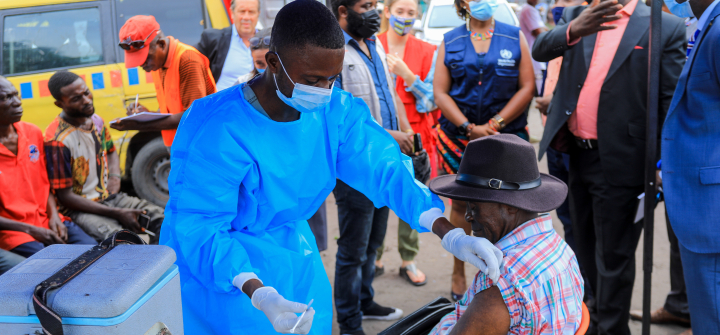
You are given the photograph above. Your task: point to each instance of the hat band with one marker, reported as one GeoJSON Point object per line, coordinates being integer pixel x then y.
{"type": "Point", "coordinates": [496, 184]}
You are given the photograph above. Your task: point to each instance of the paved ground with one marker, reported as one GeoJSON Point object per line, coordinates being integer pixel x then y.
{"type": "Point", "coordinates": [392, 290]}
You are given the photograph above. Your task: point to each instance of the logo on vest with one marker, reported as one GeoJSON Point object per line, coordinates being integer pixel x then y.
{"type": "Point", "coordinates": [34, 153]}
{"type": "Point", "coordinates": [506, 59]}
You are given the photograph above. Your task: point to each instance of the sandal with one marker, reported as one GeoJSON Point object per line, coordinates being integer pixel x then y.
{"type": "Point", "coordinates": [455, 296]}
{"type": "Point", "coordinates": [412, 268]}
{"type": "Point", "coordinates": [379, 271]}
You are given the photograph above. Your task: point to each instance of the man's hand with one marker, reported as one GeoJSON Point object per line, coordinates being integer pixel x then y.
{"type": "Point", "coordinates": [132, 109]}
{"type": "Point", "coordinates": [542, 104]}
{"type": "Point", "coordinates": [281, 312]}
{"type": "Point", "coordinates": [128, 218]}
{"type": "Point", "coordinates": [45, 236]}
{"type": "Point", "coordinates": [397, 66]}
{"type": "Point", "coordinates": [58, 227]}
{"type": "Point", "coordinates": [481, 131]}
{"type": "Point", "coordinates": [477, 251]}
{"type": "Point", "coordinates": [594, 17]}
{"type": "Point", "coordinates": [404, 140]}
{"type": "Point", "coordinates": [113, 184]}
{"type": "Point", "coordinates": [123, 125]}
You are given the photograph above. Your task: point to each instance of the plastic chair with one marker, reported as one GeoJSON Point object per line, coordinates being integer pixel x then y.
{"type": "Point", "coordinates": [584, 322]}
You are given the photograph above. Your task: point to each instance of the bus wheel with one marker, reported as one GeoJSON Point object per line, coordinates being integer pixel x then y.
{"type": "Point", "coordinates": [150, 171]}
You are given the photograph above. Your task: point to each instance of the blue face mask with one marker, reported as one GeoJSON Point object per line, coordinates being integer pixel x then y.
{"type": "Point", "coordinates": [305, 99]}
{"type": "Point", "coordinates": [679, 9]}
{"type": "Point", "coordinates": [483, 10]}
{"type": "Point", "coordinates": [402, 26]}
{"type": "Point", "coordinates": [557, 13]}
{"type": "Point", "coordinates": [261, 70]}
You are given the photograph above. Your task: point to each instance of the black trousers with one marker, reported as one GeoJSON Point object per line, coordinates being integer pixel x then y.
{"type": "Point", "coordinates": [605, 238]}
{"type": "Point", "coordinates": [676, 302]}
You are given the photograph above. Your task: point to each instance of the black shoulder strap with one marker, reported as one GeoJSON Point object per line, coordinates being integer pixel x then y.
{"type": "Point", "coordinates": [50, 321]}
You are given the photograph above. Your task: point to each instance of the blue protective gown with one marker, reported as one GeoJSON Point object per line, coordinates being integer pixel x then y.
{"type": "Point", "coordinates": [242, 187]}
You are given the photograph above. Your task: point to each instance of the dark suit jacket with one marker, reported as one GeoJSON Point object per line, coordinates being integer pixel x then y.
{"type": "Point", "coordinates": [623, 99]}
{"type": "Point", "coordinates": [214, 44]}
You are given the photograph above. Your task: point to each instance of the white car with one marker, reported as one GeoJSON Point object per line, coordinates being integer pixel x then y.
{"type": "Point", "coordinates": [442, 17]}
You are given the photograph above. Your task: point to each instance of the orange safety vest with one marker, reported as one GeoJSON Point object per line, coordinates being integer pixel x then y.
{"type": "Point", "coordinates": [168, 91]}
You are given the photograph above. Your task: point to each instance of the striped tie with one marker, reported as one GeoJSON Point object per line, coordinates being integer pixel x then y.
{"type": "Point", "coordinates": [691, 42]}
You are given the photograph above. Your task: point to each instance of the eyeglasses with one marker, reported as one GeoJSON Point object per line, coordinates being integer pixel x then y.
{"type": "Point", "coordinates": [137, 45]}
{"type": "Point", "coordinates": [256, 41]}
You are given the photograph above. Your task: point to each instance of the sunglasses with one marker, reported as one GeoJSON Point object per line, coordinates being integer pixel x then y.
{"type": "Point", "coordinates": [256, 41]}
{"type": "Point", "coordinates": [137, 45]}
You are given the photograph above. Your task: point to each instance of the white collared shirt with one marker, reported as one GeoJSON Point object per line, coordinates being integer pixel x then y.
{"type": "Point", "coordinates": [238, 62]}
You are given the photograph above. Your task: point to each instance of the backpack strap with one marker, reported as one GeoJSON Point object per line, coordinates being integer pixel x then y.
{"type": "Point", "coordinates": [51, 321]}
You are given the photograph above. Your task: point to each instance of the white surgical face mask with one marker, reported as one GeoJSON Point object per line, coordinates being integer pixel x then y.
{"type": "Point", "coordinates": [305, 98]}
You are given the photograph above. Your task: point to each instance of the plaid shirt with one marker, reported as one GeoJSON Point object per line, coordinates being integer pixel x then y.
{"type": "Point", "coordinates": [423, 90]}
{"type": "Point", "coordinates": [541, 283]}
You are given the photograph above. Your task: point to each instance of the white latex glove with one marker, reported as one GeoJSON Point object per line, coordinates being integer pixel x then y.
{"type": "Point", "coordinates": [477, 251]}
{"type": "Point", "coordinates": [281, 312]}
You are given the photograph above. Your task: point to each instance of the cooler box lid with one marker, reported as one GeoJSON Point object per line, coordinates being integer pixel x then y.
{"type": "Point", "coordinates": [107, 289]}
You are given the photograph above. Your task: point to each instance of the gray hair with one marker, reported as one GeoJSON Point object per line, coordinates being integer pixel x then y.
{"type": "Point", "coordinates": [232, 5]}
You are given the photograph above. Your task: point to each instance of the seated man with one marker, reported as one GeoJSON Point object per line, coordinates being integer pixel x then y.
{"type": "Point", "coordinates": [29, 219]}
{"type": "Point", "coordinates": [540, 289]}
{"type": "Point", "coordinates": [84, 168]}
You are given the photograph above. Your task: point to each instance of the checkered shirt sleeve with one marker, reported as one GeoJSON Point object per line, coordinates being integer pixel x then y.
{"type": "Point", "coordinates": [423, 90]}
{"type": "Point", "coordinates": [59, 165]}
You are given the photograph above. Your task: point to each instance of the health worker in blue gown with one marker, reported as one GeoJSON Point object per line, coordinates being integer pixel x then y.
{"type": "Point", "coordinates": [252, 163]}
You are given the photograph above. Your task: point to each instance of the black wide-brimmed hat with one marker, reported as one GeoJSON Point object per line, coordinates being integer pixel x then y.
{"type": "Point", "coordinates": [502, 169]}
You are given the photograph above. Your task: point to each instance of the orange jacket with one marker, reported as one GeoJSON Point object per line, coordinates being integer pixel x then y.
{"type": "Point", "coordinates": [168, 90]}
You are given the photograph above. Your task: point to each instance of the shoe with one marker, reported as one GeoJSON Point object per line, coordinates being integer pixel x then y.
{"type": "Point", "coordinates": [411, 268]}
{"type": "Point", "coordinates": [357, 332]}
{"type": "Point", "coordinates": [687, 332]}
{"type": "Point", "coordinates": [661, 316]}
{"type": "Point", "coordinates": [377, 312]}
{"type": "Point", "coordinates": [379, 271]}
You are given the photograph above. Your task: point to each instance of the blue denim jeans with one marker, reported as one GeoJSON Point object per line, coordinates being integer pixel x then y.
{"type": "Point", "coordinates": [74, 233]}
{"type": "Point", "coordinates": [8, 260]}
{"type": "Point", "coordinates": [362, 231]}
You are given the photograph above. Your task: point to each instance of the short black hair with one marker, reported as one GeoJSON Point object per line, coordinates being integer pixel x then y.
{"type": "Point", "coordinates": [306, 22]}
{"type": "Point", "coordinates": [59, 80]}
{"type": "Point", "coordinates": [337, 3]}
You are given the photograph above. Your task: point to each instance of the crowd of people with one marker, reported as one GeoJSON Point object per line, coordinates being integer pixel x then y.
{"type": "Point", "coordinates": [343, 98]}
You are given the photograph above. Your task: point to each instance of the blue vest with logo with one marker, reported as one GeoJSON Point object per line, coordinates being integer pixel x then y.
{"type": "Point", "coordinates": [483, 90]}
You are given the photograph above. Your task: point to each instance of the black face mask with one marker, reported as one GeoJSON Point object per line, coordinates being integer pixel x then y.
{"type": "Point", "coordinates": [364, 25]}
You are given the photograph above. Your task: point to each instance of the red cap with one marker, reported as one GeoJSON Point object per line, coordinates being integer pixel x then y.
{"type": "Point", "coordinates": [138, 28]}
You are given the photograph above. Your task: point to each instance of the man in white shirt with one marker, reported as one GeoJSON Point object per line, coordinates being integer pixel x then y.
{"type": "Point", "coordinates": [531, 25]}
{"type": "Point", "coordinates": [231, 43]}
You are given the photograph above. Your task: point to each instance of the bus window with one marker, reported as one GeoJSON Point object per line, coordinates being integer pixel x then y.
{"type": "Point", "coordinates": [49, 40]}
{"type": "Point", "coordinates": [181, 19]}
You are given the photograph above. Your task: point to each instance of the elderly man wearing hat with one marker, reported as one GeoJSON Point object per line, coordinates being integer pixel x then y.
{"type": "Point", "coordinates": [540, 289]}
{"type": "Point", "coordinates": [180, 73]}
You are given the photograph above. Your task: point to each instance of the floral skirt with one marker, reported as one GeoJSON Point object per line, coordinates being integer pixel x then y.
{"type": "Point", "coordinates": [450, 148]}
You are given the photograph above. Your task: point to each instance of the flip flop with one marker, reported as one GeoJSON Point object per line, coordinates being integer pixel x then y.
{"type": "Point", "coordinates": [412, 268]}
{"type": "Point", "coordinates": [455, 296]}
{"type": "Point", "coordinates": [379, 271]}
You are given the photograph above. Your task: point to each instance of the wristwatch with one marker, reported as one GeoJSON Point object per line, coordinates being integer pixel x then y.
{"type": "Point", "coordinates": [463, 128]}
